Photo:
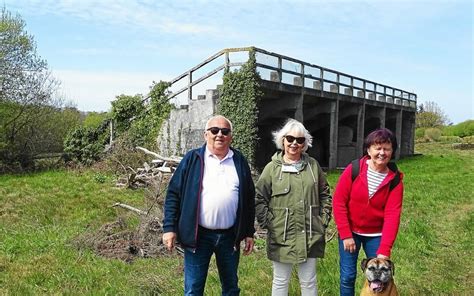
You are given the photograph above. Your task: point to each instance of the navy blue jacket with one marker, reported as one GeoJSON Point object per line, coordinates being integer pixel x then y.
{"type": "Point", "coordinates": [184, 195]}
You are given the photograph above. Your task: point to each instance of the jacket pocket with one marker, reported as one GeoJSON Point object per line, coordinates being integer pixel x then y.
{"type": "Point", "coordinates": [281, 187]}
{"type": "Point", "coordinates": [280, 225]}
{"type": "Point", "coordinates": [316, 226]}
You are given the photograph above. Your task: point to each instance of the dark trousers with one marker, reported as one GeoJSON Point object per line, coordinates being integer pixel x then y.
{"type": "Point", "coordinates": [196, 264]}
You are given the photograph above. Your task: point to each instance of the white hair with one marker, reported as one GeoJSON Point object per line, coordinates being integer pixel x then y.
{"type": "Point", "coordinates": [216, 117]}
{"type": "Point", "coordinates": [292, 125]}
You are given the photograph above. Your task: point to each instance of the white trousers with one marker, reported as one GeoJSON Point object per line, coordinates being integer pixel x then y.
{"type": "Point", "coordinates": [306, 276]}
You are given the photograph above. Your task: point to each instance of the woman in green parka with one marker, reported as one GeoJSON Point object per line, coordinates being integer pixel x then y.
{"type": "Point", "coordinates": [293, 203]}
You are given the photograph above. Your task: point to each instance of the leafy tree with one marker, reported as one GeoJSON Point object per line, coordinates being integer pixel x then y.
{"type": "Point", "coordinates": [144, 127]}
{"type": "Point", "coordinates": [94, 119]}
{"type": "Point", "coordinates": [124, 109]}
{"type": "Point", "coordinates": [430, 115]}
{"type": "Point", "coordinates": [137, 122]}
{"type": "Point", "coordinates": [26, 93]}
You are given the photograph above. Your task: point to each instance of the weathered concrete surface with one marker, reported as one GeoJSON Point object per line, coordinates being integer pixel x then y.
{"type": "Point", "coordinates": [337, 121]}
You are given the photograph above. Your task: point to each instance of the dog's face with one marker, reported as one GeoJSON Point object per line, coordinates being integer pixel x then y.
{"type": "Point", "coordinates": [378, 272]}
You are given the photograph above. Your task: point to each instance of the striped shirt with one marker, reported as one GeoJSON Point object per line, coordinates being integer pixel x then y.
{"type": "Point", "coordinates": [374, 179]}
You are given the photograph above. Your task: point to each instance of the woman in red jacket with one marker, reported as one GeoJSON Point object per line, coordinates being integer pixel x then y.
{"type": "Point", "coordinates": [367, 210]}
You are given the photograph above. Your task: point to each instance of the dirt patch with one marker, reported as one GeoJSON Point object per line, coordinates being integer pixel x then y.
{"type": "Point", "coordinates": [119, 240]}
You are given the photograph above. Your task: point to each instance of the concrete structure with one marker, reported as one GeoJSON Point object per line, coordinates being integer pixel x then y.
{"type": "Point", "coordinates": [338, 109]}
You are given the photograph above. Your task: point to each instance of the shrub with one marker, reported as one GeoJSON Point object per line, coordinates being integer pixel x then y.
{"type": "Point", "coordinates": [450, 139]}
{"type": "Point", "coordinates": [419, 133]}
{"type": "Point", "coordinates": [468, 140]}
{"type": "Point", "coordinates": [463, 129]}
{"type": "Point", "coordinates": [85, 145]}
{"type": "Point", "coordinates": [433, 134]}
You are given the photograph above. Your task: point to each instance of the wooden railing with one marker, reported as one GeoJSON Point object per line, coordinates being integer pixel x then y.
{"type": "Point", "coordinates": [304, 74]}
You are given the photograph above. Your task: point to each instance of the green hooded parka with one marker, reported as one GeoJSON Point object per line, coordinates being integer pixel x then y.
{"type": "Point", "coordinates": [295, 207]}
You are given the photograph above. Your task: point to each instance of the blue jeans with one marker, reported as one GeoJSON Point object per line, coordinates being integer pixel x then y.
{"type": "Point", "coordinates": [196, 264]}
{"type": "Point", "coordinates": [348, 261]}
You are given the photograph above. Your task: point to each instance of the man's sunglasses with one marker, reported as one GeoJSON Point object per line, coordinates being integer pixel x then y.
{"type": "Point", "coordinates": [299, 140]}
{"type": "Point", "coordinates": [215, 130]}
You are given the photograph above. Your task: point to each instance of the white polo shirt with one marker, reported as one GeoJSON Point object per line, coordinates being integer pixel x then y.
{"type": "Point", "coordinates": [220, 192]}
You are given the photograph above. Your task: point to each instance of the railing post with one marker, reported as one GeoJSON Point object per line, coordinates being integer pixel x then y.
{"type": "Point", "coordinates": [227, 61]}
{"type": "Point", "coordinates": [280, 70]}
{"type": "Point", "coordinates": [111, 125]}
{"type": "Point", "coordinates": [190, 88]}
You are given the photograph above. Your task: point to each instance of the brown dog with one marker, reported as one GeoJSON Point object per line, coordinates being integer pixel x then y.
{"type": "Point", "coordinates": [379, 277]}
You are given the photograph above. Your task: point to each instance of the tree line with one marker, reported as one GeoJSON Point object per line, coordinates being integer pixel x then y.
{"type": "Point", "coordinates": [36, 121]}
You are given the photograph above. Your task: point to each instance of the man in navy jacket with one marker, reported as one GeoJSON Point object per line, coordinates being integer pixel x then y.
{"type": "Point", "coordinates": [210, 208]}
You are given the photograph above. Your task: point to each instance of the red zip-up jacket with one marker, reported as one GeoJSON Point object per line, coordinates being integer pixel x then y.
{"type": "Point", "coordinates": [355, 212]}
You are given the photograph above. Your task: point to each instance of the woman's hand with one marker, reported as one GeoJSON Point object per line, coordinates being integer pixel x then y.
{"type": "Point", "coordinates": [382, 256]}
{"type": "Point", "coordinates": [349, 245]}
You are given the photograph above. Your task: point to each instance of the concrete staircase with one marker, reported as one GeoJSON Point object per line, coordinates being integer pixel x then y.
{"type": "Point", "coordinates": [184, 129]}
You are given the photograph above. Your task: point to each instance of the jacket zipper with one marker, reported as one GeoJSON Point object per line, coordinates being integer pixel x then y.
{"type": "Point", "coordinates": [198, 202]}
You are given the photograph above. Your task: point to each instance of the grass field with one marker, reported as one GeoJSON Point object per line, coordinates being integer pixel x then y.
{"type": "Point", "coordinates": [40, 214]}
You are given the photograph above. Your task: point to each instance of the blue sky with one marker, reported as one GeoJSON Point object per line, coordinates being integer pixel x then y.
{"type": "Point", "coordinates": [101, 49]}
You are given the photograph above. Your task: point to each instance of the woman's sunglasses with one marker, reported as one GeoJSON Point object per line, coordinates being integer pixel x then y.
{"type": "Point", "coordinates": [299, 140]}
{"type": "Point", "coordinates": [215, 130]}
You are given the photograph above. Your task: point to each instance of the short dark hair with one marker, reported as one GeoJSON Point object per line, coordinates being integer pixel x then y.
{"type": "Point", "coordinates": [380, 136]}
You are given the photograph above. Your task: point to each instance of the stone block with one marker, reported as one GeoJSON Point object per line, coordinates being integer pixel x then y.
{"type": "Point", "coordinates": [274, 76]}
{"type": "Point", "coordinates": [371, 96]}
{"type": "Point", "coordinates": [317, 85]}
{"type": "Point", "coordinates": [390, 100]}
{"type": "Point", "coordinates": [360, 94]}
{"type": "Point", "coordinates": [381, 99]}
{"type": "Point", "coordinates": [333, 88]}
{"type": "Point", "coordinates": [297, 81]}
{"type": "Point", "coordinates": [348, 91]}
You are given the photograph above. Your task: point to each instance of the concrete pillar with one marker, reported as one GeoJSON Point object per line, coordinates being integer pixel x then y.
{"type": "Point", "coordinates": [398, 132]}
{"type": "Point", "coordinates": [334, 126]}
{"type": "Point", "coordinates": [360, 129]}
{"type": "Point", "coordinates": [382, 116]}
{"type": "Point", "coordinates": [299, 107]}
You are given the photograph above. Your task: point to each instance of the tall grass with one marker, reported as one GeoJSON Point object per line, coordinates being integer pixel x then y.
{"type": "Point", "coordinates": [41, 214]}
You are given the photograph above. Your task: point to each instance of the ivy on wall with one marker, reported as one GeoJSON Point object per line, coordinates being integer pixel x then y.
{"type": "Point", "coordinates": [238, 100]}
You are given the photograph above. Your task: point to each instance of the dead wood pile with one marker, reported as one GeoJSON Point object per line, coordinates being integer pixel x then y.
{"type": "Point", "coordinates": [120, 240]}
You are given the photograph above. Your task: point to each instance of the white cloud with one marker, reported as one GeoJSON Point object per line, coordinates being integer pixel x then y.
{"type": "Point", "coordinates": [93, 91]}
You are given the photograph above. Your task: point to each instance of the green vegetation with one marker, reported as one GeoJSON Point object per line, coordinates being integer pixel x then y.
{"type": "Point", "coordinates": [459, 133]}
{"type": "Point", "coordinates": [42, 213]}
{"type": "Point", "coordinates": [463, 129]}
{"type": "Point", "coordinates": [238, 101]}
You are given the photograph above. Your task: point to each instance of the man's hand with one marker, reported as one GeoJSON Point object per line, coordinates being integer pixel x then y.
{"type": "Point", "coordinates": [169, 239]}
{"type": "Point", "coordinates": [382, 256]}
{"type": "Point", "coordinates": [349, 245]}
{"type": "Point", "coordinates": [248, 245]}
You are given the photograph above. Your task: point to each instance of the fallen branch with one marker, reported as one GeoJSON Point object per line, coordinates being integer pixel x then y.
{"type": "Point", "coordinates": [169, 159]}
{"type": "Point", "coordinates": [138, 211]}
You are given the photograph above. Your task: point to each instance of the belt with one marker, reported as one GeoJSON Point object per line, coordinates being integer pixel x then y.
{"type": "Point", "coordinates": [217, 231]}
